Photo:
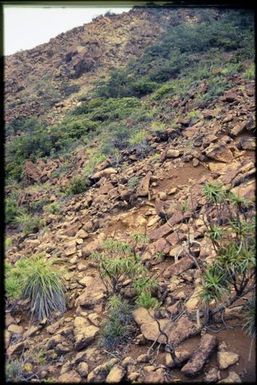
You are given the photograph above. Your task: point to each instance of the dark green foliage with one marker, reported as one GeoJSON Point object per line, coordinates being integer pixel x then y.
{"type": "Point", "coordinates": [14, 371]}
{"type": "Point", "coordinates": [119, 260]}
{"type": "Point", "coordinates": [11, 210]}
{"type": "Point", "coordinates": [37, 280]}
{"type": "Point", "coordinates": [119, 326]}
{"type": "Point", "coordinates": [234, 265]}
{"type": "Point", "coordinates": [78, 185]}
{"type": "Point", "coordinates": [179, 48]}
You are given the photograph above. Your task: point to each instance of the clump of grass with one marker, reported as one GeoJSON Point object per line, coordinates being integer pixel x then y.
{"type": "Point", "coordinates": [137, 137]}
{"type": "Point", "coordinates": [29, 223]}
{"type": "Point", "coordinates": [14, 371]}
{"type": "Point", "coordinates": [133, 182]}
{"type": "Point", "coordinates": [146, 300]}
{"type": "Point", "coordinates": [119, 325]}
{"type": "Point", "coordinates": [37, 280]}
{"type": "Point", "coordinates": [53, 208]}
{"type": "Point", "coordinates": [250, 72]}
{"type": "Point", "coordinates": [7, 242]}
{"type": "Point", "coordinates": [78, 185]}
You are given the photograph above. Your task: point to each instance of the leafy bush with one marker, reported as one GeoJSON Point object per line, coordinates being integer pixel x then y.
{"type": "Point", "coordinates": [137, 137]}
{"type": "Point", "coordinates": [232, 234]}
{"type": "Point", "coordinates": [119, 261]}
{"type": "Point", "coordinates": [7, 242]}
{"type": "Point", "coordinates": [37, 280]}
{"type": "Point", "coordinates": [164, 89]}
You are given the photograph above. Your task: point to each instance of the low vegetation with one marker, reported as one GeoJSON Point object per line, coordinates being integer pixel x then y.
{"type": "Point", "coordinates": [119, 326]}
{"type": "Point", "coordinates": [40, 282]}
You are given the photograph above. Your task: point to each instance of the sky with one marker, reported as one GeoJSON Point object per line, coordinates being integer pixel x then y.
{"type": "Point", "coordinates": [27, 27]}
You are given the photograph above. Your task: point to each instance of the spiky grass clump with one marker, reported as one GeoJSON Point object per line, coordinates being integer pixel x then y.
{"type": "Point", "coordinates": [40, 283]}
{"type": "Point", "coordinates": [119, 326]}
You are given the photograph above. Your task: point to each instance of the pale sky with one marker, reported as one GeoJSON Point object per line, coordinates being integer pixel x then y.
{"type": "Point", "coordinates": [27, 27]}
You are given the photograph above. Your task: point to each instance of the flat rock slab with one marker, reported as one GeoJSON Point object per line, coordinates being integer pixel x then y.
{"type": "Point", "coordinates": [226, 359]}
{"type": "Point", "coordinates": [199, 358]}
{"type": "Point", "coordinates": [176, 332]}
{"type": "Point", "coordinates": [160, 232]}
{"type": "Point", "coordinates": [179, 267]}
{"type": "Point", "coordinates": [84, 333]}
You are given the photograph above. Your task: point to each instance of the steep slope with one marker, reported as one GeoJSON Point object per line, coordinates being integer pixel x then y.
{"type": "Point", "coordinates": [40, 78]}
{"type": "Point", "coordinates": [133, 161]}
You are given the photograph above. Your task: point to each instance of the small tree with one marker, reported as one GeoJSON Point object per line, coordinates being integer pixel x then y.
{"type": "Point", "coordinates": [120, 261]}
{"type": "Point", "coordinates": [231, 229]}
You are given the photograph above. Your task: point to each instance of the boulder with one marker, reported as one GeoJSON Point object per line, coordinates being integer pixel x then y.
{"type": "Point", "coordinates": [155, 376]}
{"type": "Point", "coordinates": [84, 333]}
{"type": "Point", "coordinates": [82, 369]}
{"type": "Point", "coordinates": [160, 232]}
{"type": "Point", "coordinates": [116, 374]}
{"type": "Point", "coordinates": [104, 173]}
{"type": "Point", "coordinates": [182, 356]}
{"type": "Point", "coordinates": [195, 299]}
{"type": "Point", "coordinates": [179, 267]}
{"type": "Point", "coordinates": [172, 153]}
{"type": "Point", "coordinates": [247, 144]}
{"type": "Point", "coordinates": [70, 377]}
{"type": "Point", "coordinates": [219, 152]}
{"type": "Point", "coordinates": [177, 332]}
{"type": "Point", "coordinates": [15, 329]}
{"type": "Point", "coordinates": [232, 378]}
{"type": "Point", "coordinates": [32, 172]}
{"type": "Point", "coordinates": [17, 349]}
{"type": "Point", "coordinates": [143, 188]}
{"type": "Point", "coordinates": [226, 359]}
{"type": "Point", "coordinates": [213, 375]}
{"type": "Point", "coordinates": [199, 358]}
{"type": "Point", "coordinates": [98, 374]}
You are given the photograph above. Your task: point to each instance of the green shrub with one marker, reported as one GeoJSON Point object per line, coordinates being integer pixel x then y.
{"type": "Point", "coordinates": [53, 208]}
{"type": "Point", "coordinates": [95, 158]}
{"type": "Point", "coordinates": [119, 260]}
{"type": "Point", "coordinates": [29, 223]}
{"type": "Point", "coordinates": [37, 280]}
{"type": "Point", "coordinates": [14, 371]}
{"type": "Point", "coordinates": [235, 261]}
{"type": "Point", "coordinates": [250, 72]}
{"type": "Point", "coordinates": [78, 185]}
{"type": "Point", "coordinates": [146, 300]}
{"type": "Point", "coordinates": [11, 210]}
{"type": "Point", "coordinates": [137, 137]}
{"type": "Point", "coordinates": [164, 89]}
{"type": "Point", "coordinates": [119, 326]}
{"type": "Point", "coordinates": [7, 243]}
{"type": "Point", "coordinates": [133, 182]}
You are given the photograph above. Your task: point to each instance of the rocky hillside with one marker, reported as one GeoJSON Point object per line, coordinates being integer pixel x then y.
{"type": "Point", "coordinates": [137, 185]}
{"type": "Point", "coordinates": [45, 79]}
